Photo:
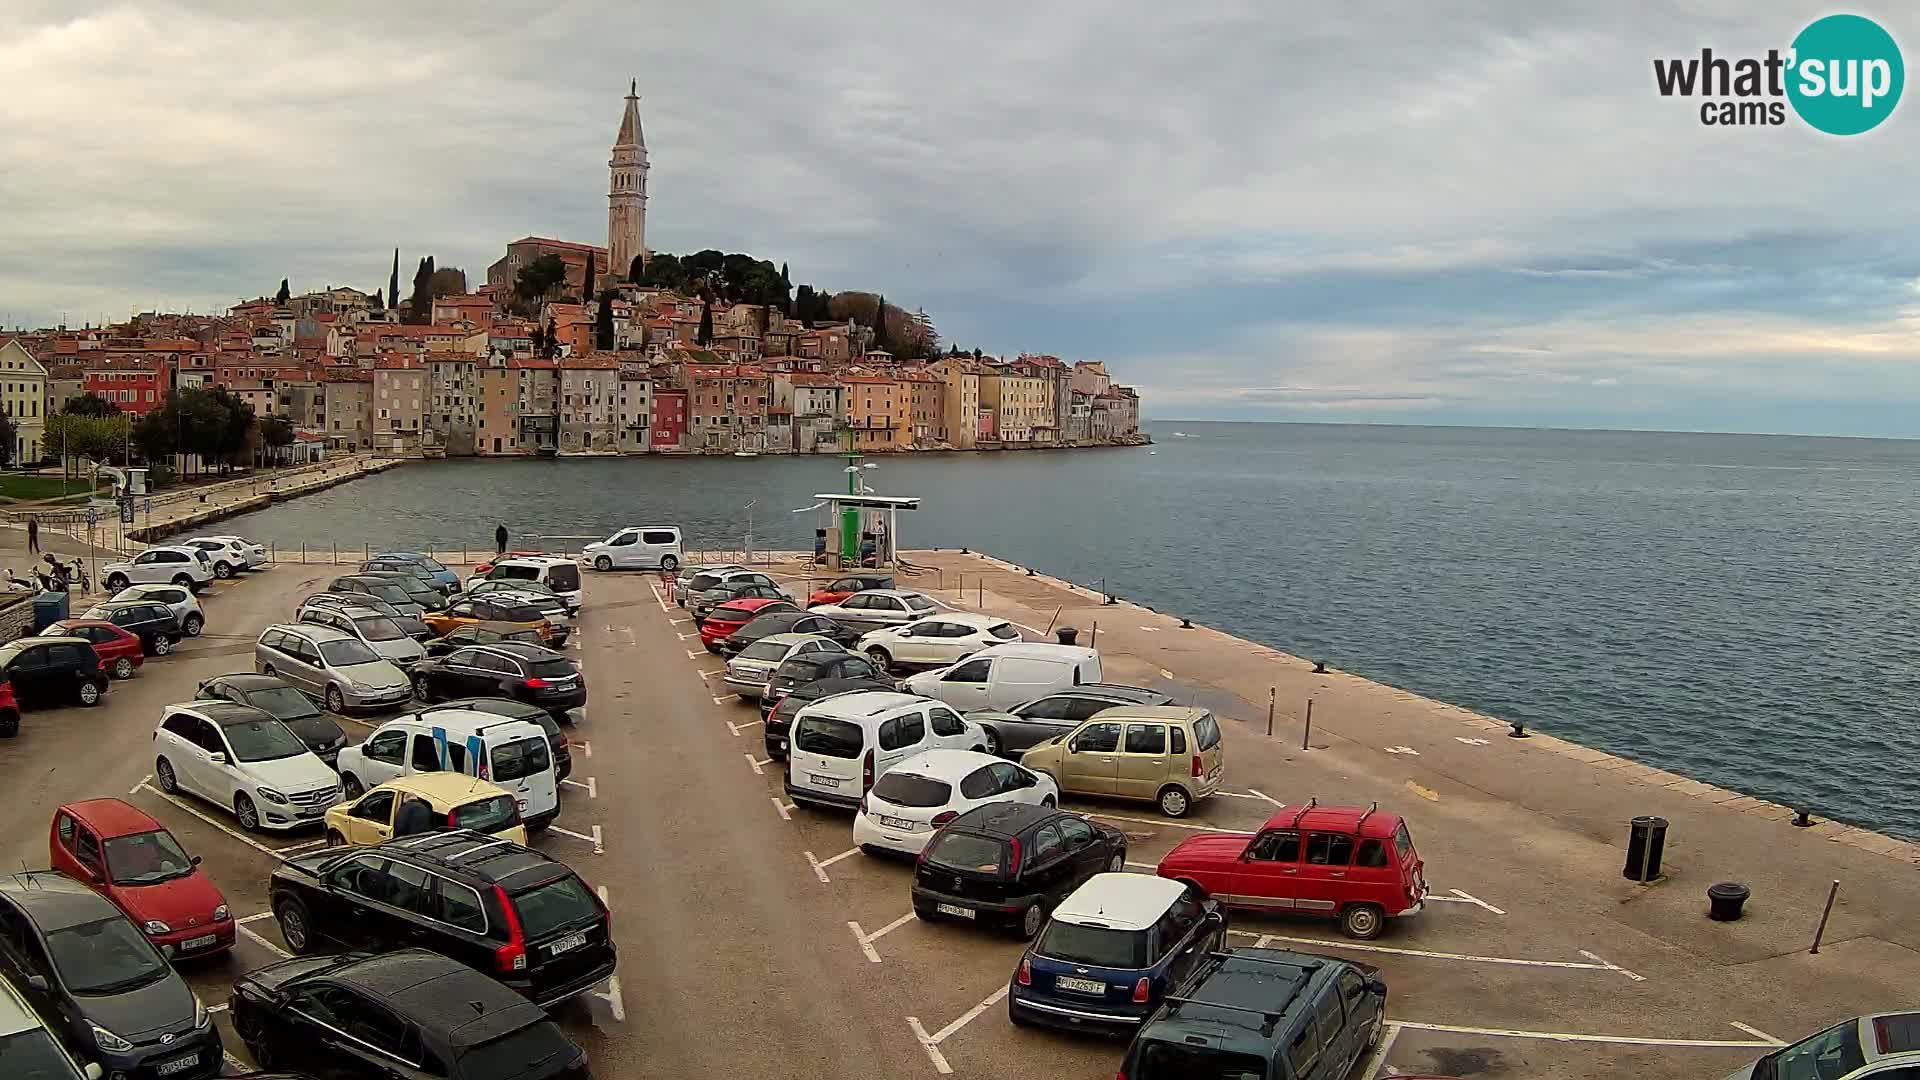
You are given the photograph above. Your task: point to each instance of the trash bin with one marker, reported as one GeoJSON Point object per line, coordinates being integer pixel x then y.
{"type": "Point", "coordinates": [48, 608]}
{"type": "Point", "coordinates": [1066, 634]}
{"type": "Point", "coordinates": [1646, 842]}
{"type": "Point", "coordinates": [1725, 899]}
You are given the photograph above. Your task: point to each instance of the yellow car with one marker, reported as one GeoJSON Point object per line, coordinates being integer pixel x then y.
{"type": "Point", "coordinates": [454, 801]}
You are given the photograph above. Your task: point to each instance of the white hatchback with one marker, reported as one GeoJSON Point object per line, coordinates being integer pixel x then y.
{"type": "Point", "coordinates": [912, 801]}
{"type": "Point", "coordinates": [229, 555]}
{"type": "Point", "coordinates": [936, 640]}
{"type": "Point", "coordinates": [243, 759]}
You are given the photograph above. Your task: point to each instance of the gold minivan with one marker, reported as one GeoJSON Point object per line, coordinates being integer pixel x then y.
{"type": "Point", "coordinates": [1162, 754]}
{"type": "Point", "coordinates": [455, 801]}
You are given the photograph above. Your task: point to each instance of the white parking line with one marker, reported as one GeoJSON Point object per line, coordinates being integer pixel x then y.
{"type": "Point", "coordinates": [756, 763]}
{"type": "Point", "coordinates": [598, 847]}
{"type": "Point", "coordinates": [1569, 1036]}
{"type": "Point", "coordinates": [684, 637]}
{"type": "Point", "coordinates": [229, 830]}
{"type": "Point", "coordinates": [135, 789]}
{"type": "Point", "coordinates": [659, 599]}
{"type": "Point", "coordinates": [738, 728]}
{"type": "Point", "coordinates": [1755, 1032]}
{"type": "Point", "coordinates": [866, 940]}
{"type": "Point", "coordinates": [1245, 795]}
{"type": "Point", "coordinates": [679, 622]}
{"type": "Point", "coordinates": [692, 655]}
{"type": "Point", "coordinates": [723, 700]}
{"type": "Point", "coordinates": [1380, 1052]}
{"type": "Point", "coordinates": [1264, 795]}
{"type": "Point", "coordinates": [255, 936]}
{"type": "Point", "coordinates": [931, 1043]}
{"type": "Point", "coordinates": [785, 809]}
{"type": "Point", "coordinates": [818, 870]}
{"type": "Point", "coordinates": [1143, 865]}
{"type": "Point", "coordinates": [255, 917]}
{"type": "Point", "coordinates": [1157, 821]}
{"type": "Point", "coordinates": [235, 1063]}
{"type": "Point", "coordinates": [303, 847]}
{"type": "Point", "coordinates": [1597, 963]}
{"type": "Point", "coordinates": [1464, 897]}
{"type": "Point", "coordinates": [711, 674]}
{"type": "Point", "coordinates": [582, 744]}
{"type": "Point", "coordinates": [593, 787]}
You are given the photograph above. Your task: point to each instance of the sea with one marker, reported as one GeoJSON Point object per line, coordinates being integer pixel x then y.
{"type": "Point", "coordinates": [1735, 608]}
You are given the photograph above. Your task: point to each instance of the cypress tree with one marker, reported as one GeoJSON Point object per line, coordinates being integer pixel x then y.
{"type": "Point", "coordinates": [379, 300]}
{"type": "Point", "coordinates": [603, 323]}
{"type": "Point", "coordinates": [393, 281]}
{"type": "Point", "coordinates": [880, 323]}
{"type": "Point", "coordinates": [586, 291]}
{"type": "Point", "coordinates": [283, 294]}
{"type": "Point", "coordinates": [706, 323]}
{"type": "Point", "coordinates": [553, 338]}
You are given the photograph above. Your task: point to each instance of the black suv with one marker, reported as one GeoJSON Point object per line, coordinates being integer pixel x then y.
{"type": "Point", "coordinates": [1262, 1013]}
{"type": "Point", "coordinates": [1008, 864]}
{"type": "Point", "coordinates": [97, 981]}
{"type": "Point", "coordinates": [283, 703]}
{"type": "Point", "coordinates": [807, 688]}
{"type": "Point", "coordinates": [787, 622]}
{"type": "Point", "coordinates": [495, 906]}
{"type": "Point", "coordinates": [52, 671]}
{"type": "Point", "coordinates": [407, 1015]}
{"type": "Point", "coordinates": [529, 673]}
{"type": "Point", "coordinates": [154, 623]}
{"type": "Point", "coordinates": [481, 634]}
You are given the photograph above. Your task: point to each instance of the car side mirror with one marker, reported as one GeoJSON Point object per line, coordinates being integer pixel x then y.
{"type": "Point", "coordinates": [1377, 986]}
{"type": "Point", "coordinates": [218, 759]}
{"type": "Point", "coordinates": [38, 982]}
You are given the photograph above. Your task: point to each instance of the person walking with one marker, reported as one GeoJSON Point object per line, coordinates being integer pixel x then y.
{"type": "Point", "coordinates": [33, 534]}
{"type": "Point", "coordinates": [500, 539]}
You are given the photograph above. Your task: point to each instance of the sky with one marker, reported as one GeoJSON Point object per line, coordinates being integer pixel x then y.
{"type": "Point", "coordinates": [1471, 213]}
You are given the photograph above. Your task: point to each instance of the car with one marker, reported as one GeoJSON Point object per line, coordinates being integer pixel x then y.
{"type": "Point", "coordinates": [913, 800]}
{"type": "Point", "coordinates": [551, 608]}
{"type": "Point", "coordinates": [748, 586]}
{"type": "Point", "coordinates": [1356, 864]}
{"type": "Point", "coordinates": [946, 638]}
{"type": "Point", "coordinates": [528, 673]}
{"type": "Point", "coordinates": [1111, 951]}
{"type": "Point", "coordinates": [722, 621]}
{"type": "Point", "coordinates": [419, 587]}
{"type": "Point", "coordinates": [1004, 675]}
{"type": "Point", "coordinates": [748, 672]}
{"type": "Point", "coordinates": [779, 719]}
{"type": "Point", "coordinates": [506, 749]}
{"type": "Point", "coordinates": [798, 671]}
{"type": "Point", "coordinates": [560, 575]}
{"type": "Point", "coordinates": [152, 622]}
{"type": "Point", "coordinates": [1879, 1045]}
{"type": "Point", "coordinates": [841, 745]}
{"type": "Point", "coordinates": [228, 556]}
{"type": "Point", "coordinates": [485, 633]}
{"type": "Point", "coordinates": [455, 801]}
{"type": "Point", "coordinates": [482, 569]}
{"type": "Point", "coordinates": [846, 585]}
{"type": "Point", "coordinates": [9, 712]}
{"type": "Point", "coordinates": [254, 554]}
{"type": "Point", "coordinates": [497, 907]}
{"type": "Point", "coordinates": [408, 624]}
{"type": "Point", "coordinates": [132, 860]}
{"type": "Point", "coordinates": [683, 586]}
{"type": "Point", "coordinates": [477, 587]}
{"type": "Point", "coordinates": [1168, 756]}
{"type": "Point", "coordinates": [181, 601]}
{"type": "Point", "coordinates": [282, 702]}
{"type": "Point", "coordinates": [374, 630]}
{"type": "Point", "coordinates": [29, 1050]}
{"type": "Point", "coordinates": [637, 547]}
{"type": "Point", "coordinates": [491, 609]}
{"type": "Point", "coordinates": [242, 759]}
{"type": "Point", "coordinates": [877, 608]}
{"type": "Point", "coordinates": [390, 564]}
{"type": "Point", "coordinates": [557, 741]}
{"type": "Point", "coordinates": [781, 621]}
{"type": "Point", "coordinates": [46, 671]}
{"type": "Point", "coordinates": [379, 588]}
{"type": "Point", "coordinates": [398, 1011]}
{"type": "Point", "coordinates": [187, 567]}
{"type": "Point", "coordinates": [1007, 864]}
{"type": "Point", "coordinates": [331, 666]}
{"type": "Point", "coordinates": [448, 580]}
{"type": "Point", "coordinates": [89, 971]}
{"type": "Point", "coordinates": [119, 650]}
{"type": "Point", "coordinates": [1056, 714]}
{"type": "Point", "coordinates": [1265, 1013]}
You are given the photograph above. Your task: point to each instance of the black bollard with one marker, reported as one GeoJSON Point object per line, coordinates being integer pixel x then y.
{"type": "Point", "coordinates": [1646, 843]}
{"type": "Point", "coordinates": [1186, 623]}
{"type": "Point", "coordinates": [1803, 819]}
{"type": "Point", "coordinates": [1725, 899]}
{"type": "Point", "coordinates": [1319, 667]}
{"type": "Point", "coordinates": [1066, 634]}
{"type": "Point", "coordinates": [1519, 731]}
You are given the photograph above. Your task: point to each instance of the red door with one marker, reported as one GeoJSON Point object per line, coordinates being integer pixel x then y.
{"type": "Point", "coordinates": [1325, 881]}
{"type": "Point", "coordinates": [1268, 877]}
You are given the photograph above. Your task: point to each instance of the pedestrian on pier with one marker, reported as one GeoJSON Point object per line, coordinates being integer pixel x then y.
{"type": "Point", "coordinates": [500, 539]}
{"type": "Point", "coordinates": [33, 535]}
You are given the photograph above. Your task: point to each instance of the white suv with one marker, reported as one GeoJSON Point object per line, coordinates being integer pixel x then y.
{"type": "Point", "coordinates": [841, 744]}
{"type": "Point", "coordinates": [184, 566]}
{"type": "Point", "coordinates": [245, 760]}
{"type": "Point", "coordinates": [229, 555]}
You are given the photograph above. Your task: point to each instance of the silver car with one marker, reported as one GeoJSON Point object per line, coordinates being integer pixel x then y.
{"type": "Point", "coordinates": [380, 633]}
{"type": "Point", "coordinates": [683, 582]}
{"type": "Point", "coordinates": [411, 625]}
{"type": "Point", "coordinates": [747, 674]}
{"type": "Point", "coordinates": [331, 665]}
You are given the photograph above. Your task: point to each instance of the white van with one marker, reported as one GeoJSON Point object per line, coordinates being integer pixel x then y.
{"type": "Point", "coordinates": [840, 744]}
{"type": "Point", "coordinates": [560, 575]}
{"type": "Point", "coordinates": [1002, 676]}
{"type": "Point", "coordinates": [511, 753]}
{"type": "Point", "coordinates": [636, 547]}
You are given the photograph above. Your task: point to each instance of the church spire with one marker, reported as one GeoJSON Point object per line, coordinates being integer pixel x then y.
{"type": "Point", "coordinates": [630, 133]}
{"type": "Point", "coordinates": [627, 190]}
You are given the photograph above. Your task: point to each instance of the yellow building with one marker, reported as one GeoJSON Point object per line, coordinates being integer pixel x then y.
{"type": "Point", "coordinates": [23, 396]}
{"type": "Point", "coordinates": [879, 413]}
{"type": "Point", "coordinates": [959, 423]}
{"type": "Point", "coordinates": [1020, 403]}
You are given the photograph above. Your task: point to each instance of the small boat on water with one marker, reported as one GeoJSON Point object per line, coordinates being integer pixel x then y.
{"type": "Point", "coordinates": [1181, 435]}
{"type": "Point", "coordinates": [746, 453]}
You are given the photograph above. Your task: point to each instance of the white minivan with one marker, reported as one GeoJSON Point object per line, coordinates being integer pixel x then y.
{"type": "Point", "coordinates": [637, 547]}
{"type": "Point", "coordinates": [511, 753]}
{"type": "Point", "coordinates": [840, 744]}
{"type": "Point", "coordinates": [1002, 676]}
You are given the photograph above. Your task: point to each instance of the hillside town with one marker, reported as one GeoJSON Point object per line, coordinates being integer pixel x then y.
{"type": "Point", "coordinates": [571, 349]}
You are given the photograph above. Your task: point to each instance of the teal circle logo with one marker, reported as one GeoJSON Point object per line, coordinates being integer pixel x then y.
{"type": "Point", "coordinates": [1846, 74]}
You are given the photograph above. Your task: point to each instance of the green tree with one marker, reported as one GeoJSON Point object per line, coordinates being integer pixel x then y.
{"type": "Point", "coordinates": [539, 277]}
{"type": "Point", "coordinates": [281, 296]}
{"type": "Point", "coordinates": [379, 300]}
{"type": "Point", "coordinates": [553, 338]}
{"type": "Point", "coordinates": [586, 288]}
{"type": "Point", "coordinates": [276, 432]}
{"type": "Point", "coordinates": [393, 280]}
{"type": "Point", "coordinates": [705, 337]}
{"type": "Point", "coordinates": [420, 302]}
{"type": "Point", "coordinates": [637, 270]}
{"type": "Point", "coordinates": [802, 303]}
{"type": "Point", "coordinates": [880, 337]}
{"type": "Point", "coordinates": [89, 404]}
{"type": "Point", "coordinates": [446, 281]}
{"type": "Point", "coordinates": [603, 322]}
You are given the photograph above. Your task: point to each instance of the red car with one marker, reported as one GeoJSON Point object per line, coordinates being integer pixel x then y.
{"type": "Point", "coordinates": [486, 568]}
{"type": "Point", "coordinates": [846, 585]}
{"type": "Point", "coordinates": [135, 863]}
{"type": "Point", "coordinates": [120, 652]}
{"type": "Point", "coordinates": [734, 614]}
{"type": "Point", "coordinates": [1354, 863]}
{"type": "Point", "coordinates": [9, 712]}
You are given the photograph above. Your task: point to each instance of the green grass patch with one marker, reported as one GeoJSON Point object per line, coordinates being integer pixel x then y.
{"type": "Point", "coordinates": [27, 487]}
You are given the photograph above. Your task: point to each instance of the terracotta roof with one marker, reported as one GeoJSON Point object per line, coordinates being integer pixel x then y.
{"type": "Point", "coordinates": [563, 245]}
{"type": "Point", "coordinates": [589, 362]}
{"type": "Point", "coordinates": [530, 363]}
{"type": "Point", "coordinates": [806, 378]}
{"type": "Point", "coordinates": [395, 363]}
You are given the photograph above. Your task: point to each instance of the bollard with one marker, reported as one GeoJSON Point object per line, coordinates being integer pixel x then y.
{"type": "Point", "coordinates": [1271, 691]}
{"type": "Point", "coordinates": [964, 551]}
{"type": "Point", "coordinates": [1821, 930]}
{"type": "Point", "coordinates": [1803, 819]}
{"type": "Point", "coordinates": [1066, 634]}
{"type": "Point", "coordinates": [1319, 667]}
{"type": "Point", "coordinates": [1519, 731]}
{"type": "Point", "coordinates": [1094, 638]}
{"type": "Point", "coordinates": [1724, 900]}
{"type": "Point", "coordinates": [1646, 842]}
{"type": "Point", "coordinates": [1186, 623]}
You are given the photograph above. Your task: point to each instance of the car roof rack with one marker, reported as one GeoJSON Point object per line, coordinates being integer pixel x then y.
{"type": "Point", "coordinates": [1371, 808]}
{"type": "Point", "coordinates": [1302, 812]}
{"type": "Point", "coordinates": [1269, 1018]}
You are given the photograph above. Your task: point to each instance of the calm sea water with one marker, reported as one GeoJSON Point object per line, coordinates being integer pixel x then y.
{"type": "Point", "coordinates": [1735, 608]}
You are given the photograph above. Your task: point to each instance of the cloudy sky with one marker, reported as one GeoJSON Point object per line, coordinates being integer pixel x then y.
{"type": "Point", "coordinates": [1462, 213]}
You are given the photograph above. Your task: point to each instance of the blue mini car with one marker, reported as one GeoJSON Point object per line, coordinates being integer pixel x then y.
{"type": "Point", "coordinates": [1111, 951]}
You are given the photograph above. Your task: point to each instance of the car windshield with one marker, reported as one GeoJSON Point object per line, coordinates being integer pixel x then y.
{"type": "Point", "coordinates": [903, 789]}
{"type": "Point", "coordinates": [1206, 733]}
{"type": "Point", "coordinates": [378, 628]}
{"type": "Point", "coordinates": [918, 602]}
{"type": "Point", "coordinates": [392, 594]}
{"type": "Point", "coordinates": [1177, 1061]}
{"type": "Point", "coordinates": [515, 586]}
{"type": "Point", "coordinates": [522, 757]}
{"type": "Point", "coordinates": [262, 740]}
{"type": "Point", "coordinates": [968, 851]}
{"type": "Point", "coordinates": [565, 578]}
{"type": "Point", "coordinates": [531, 1051]}
{"type": "Point", "coordinates": [802, 668]}
{"type": "Point", "coordinates": [520, 614]}
{"type": "Point", "coordinates": [346, 653]}
{"type": "Point", "coordinates": [146, 858]}
{"type": "Point", "coordinates": [33, 1055]}
{"type": "Point", "coordinates": [106, 957]}
{"type": "Point", "coordinates": [546, 908]}
{"type": "Point", "coordinates": [1095, 946]}
{"type": "Point", "coordinates": [282, 703]}
{"type": "Point", "coordinates": [1003, 631]}
{"type": "Point", "coordinates": [1829, 1055]}
{"type": "Point", "coordinates": [766, 650]}
{"type": "Point", "coordinates": [486, 815]}
{"type": "Point", "coordinates": [828, 737]}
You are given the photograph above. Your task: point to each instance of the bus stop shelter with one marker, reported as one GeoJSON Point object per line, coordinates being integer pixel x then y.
{"type": "Point", "coordinates": [853, 520]}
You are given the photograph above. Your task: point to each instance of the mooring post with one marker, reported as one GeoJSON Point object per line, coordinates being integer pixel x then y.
{"type": "Point", "coordinates": [1821, 930]}
{"type": "Point", "coordinates": [1271, 691]}
{"type": "Point", "coordinates": [1306, 734]}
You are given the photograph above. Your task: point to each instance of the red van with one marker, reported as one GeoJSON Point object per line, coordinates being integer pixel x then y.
{"type": "Point", "coordinates": [1355, 863]}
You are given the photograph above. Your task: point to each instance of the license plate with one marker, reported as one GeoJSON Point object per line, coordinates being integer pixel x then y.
{"type": "Point", "coordinates": [954, 909]}
{"type": "Point", "coordinates": [896, 823]}
{"type": "Point", "coordinates": [824, 781]}
{"type": "Point", "coordinates": [312, 811]}
{"type": "Point", "coordinates": [177, 1066]}
{"type": "Point", "coordinates": [199, 943]}
{"type": "Point", "coordinates": [569, 943]}
{"type": "Point", "coordinates": [1081, 986]}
